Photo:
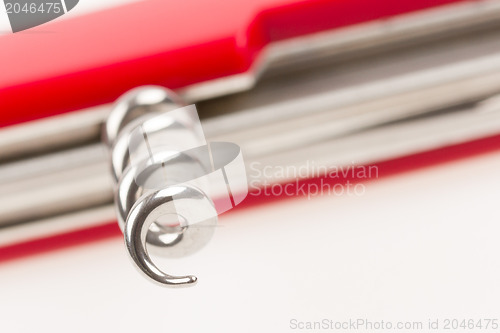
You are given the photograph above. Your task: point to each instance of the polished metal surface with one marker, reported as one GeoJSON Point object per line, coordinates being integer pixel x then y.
{"type": "Point", "coordinates": [135, 103]}
{"type": "Point", "coordinates": [154, 207]}
{"type": "Point", "coordinates": [186, 238]}
{"type": "Point", "coordinates": [129, 190]}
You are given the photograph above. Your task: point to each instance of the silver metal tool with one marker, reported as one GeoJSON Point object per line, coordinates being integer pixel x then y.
{"type": "Point", "coordinates": [164, 174]}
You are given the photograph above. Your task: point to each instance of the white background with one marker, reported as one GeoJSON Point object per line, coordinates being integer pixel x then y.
{"type": "Point", "coordinates": [423, 244]}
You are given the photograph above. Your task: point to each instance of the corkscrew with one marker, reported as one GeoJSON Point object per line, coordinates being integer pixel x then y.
{"type": "Point", "coordinates": [170, 183]}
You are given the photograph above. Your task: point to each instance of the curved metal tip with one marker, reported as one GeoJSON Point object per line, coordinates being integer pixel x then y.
{"type": "Point", "coordinates": [135, 242]}
{"type": "Point", "coordinates": [144, 213]}
{"type": "Point", "coordinates": [176, 281]}
{"type": "Point", "coordinates": [187, 281]}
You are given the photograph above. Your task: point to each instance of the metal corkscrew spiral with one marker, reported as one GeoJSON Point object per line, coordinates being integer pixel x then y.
{"type": "Point", "coordinates": [158, 206]}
